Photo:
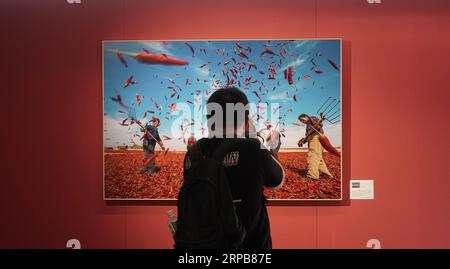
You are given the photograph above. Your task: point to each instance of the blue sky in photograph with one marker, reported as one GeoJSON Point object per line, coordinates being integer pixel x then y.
{"type": "Point", "coordinates": [153, 81]}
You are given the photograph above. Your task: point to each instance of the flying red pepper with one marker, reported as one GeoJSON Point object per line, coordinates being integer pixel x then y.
{"type": "Point", "coordinates": [123, 123]}
{"type": "Point", "coordinates": [129, 82]}
{"type": "Point", "coordinates": [148, 111]}
{"type": "Point", "coordinates": [173, 107]}
{"type": "Point", "coordinates": [122, 60]}
{"type": "Point", "coordinates": [243, 55]}
{"type": "Point", "coordinates": [257, 95]}
{"type": "Point", "coordinates": [191, 48]}
{"type": "Point", "coordinates": [289, 76]}
{"type": "Point", "coordinates": [150, 58]}
{"type": "Point", "coordinates": [333, 64]}
{"type": "Point", "coordinates": [156, 104]}
{"type": "Point", "coordinates": [318, 71]}
{"type": "Point", "coordinates": [138, 99]}
{"type": "Point", "coordinates": [118, 99]}
{"type": "Point", "coordinates": [268, 51]}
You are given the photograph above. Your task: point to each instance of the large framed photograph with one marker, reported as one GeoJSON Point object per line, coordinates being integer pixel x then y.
{"type": "Point", "coordinates": [160, 88]}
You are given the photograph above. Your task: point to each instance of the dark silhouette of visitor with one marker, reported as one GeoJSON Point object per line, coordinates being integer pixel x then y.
{"type": "Point", "coordinates": [248, 165]}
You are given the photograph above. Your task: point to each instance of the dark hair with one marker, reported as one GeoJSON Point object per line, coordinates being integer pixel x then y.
{"type": "Point", "coordinates": [303, 115]}
{"type": "Point", "coordinates": [229, 95]}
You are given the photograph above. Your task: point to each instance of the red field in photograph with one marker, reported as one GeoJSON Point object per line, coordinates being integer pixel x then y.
{"type": "Point", "coordinates": [123, 180]}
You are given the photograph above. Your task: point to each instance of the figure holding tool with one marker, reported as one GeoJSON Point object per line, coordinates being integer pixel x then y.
{"type": "Point", "coordinates": [151, 137]}
{"type": "Point", "coordinates": [316, 164]}
{"type": "Point", "coordinates": [316, 139]}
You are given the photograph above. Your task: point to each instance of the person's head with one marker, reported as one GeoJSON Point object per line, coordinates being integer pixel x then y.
{"type": "Point", "coordinates": [227, 113]}
{"type": "Point", "coordinates": [303, 118]}
{"type": "Point", "coordinates": [155, 122]}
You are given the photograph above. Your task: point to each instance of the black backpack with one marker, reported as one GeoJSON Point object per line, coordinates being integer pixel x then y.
{"type": "Point", "coordinates": [206, 215]}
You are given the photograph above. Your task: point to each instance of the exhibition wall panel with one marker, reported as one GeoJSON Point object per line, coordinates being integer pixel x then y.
{"type": "Point", "coordinates": [395, 105]}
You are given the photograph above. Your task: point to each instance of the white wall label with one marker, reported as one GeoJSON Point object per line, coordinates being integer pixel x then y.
{"type": "Point", "coordinates": [362, 189]}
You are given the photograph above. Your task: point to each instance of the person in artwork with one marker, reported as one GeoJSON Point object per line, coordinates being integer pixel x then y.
{"type": "Point", "coordinates": [273, 140]}
{"type": "Point", "coordinates": [151, 137]}
{"type": "Point", "coordinates": [249, 168]}
{"type": "Point", "coordinates": [316, 163]}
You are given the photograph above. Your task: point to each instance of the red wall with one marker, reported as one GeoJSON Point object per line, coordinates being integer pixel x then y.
{"type": "Point", "coordinates": [396, 90]}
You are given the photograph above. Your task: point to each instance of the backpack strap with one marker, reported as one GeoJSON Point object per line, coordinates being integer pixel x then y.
{"type": "Point", "coordinates": [233, 228]}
